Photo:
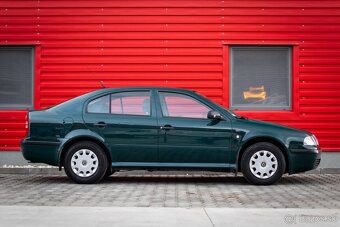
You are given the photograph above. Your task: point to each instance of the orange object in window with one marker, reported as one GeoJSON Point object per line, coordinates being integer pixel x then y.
{"type": "Point", "coordinates": [255, 93]}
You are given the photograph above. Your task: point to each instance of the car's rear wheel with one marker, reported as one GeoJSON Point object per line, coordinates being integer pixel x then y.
{"type": "Point", "coordinates": [85, 162]}
{"type": "Point", "coordinates": [108, 172]}
{"type": "Point", "coordinates": [263, 163]}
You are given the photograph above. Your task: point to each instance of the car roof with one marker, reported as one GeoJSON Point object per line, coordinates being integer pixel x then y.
{"type": "Point", "coordinates": [146, 88]}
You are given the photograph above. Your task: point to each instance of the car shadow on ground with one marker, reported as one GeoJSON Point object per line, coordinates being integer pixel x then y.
{"type": "Point", "coordinates": [217, 179]}
{"type": "Point", "coordinates": [175, 179]}
{"type": "Point", "coordinates": [227, 179]}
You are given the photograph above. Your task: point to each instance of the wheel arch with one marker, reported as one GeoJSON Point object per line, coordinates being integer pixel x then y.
{"type": "Point", "coordinates": [75, 140]}
{"type": "Point", "coordinates": [267, 139]}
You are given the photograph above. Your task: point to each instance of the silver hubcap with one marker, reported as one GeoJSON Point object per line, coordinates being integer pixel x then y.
{"type": "Point", "coordinates": [84, 163]}
{"type": "Point", "coordinates": [263, 164]}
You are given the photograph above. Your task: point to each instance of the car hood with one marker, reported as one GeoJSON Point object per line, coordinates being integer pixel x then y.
{"type": "Point", "coordinates": [270, 126]}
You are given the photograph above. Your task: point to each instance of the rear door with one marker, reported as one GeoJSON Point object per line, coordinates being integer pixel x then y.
{"type": "Point", "coordinates": [128, 123]}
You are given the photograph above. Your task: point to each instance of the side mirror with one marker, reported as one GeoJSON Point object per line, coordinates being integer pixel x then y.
{"type": "Point", "coordinates": [212, 114]}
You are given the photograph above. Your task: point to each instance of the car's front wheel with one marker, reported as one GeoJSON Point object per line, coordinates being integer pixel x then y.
{"type": "Point", "coordinates": [263, 163]}
{"type": "Point", "coordinates": [85, 162]}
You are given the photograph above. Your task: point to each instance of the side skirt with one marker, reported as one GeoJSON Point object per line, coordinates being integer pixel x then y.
{"type": "Point", "coordinates": [174, 166]}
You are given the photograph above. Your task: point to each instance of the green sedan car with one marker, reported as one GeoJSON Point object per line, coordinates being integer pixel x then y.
{"type": "Point", "coordinates": [156, 128]}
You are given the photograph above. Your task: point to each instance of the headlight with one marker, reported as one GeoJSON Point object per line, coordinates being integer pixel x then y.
{"type": "Point", "coordinates": [310, 141]}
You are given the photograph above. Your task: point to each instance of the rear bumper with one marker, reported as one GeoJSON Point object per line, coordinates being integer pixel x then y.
{"type": "Point", "coordinates": [302, 160]}
{"type": "Point", "coordinates": [40, 151]}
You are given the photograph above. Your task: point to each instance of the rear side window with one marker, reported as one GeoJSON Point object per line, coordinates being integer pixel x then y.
{"type": "Point", "coordinates": [131, 103]}
{"type": "Point", "coordinates": [178, 105]}
{"type": "Point", "coordinates": [99, 105]}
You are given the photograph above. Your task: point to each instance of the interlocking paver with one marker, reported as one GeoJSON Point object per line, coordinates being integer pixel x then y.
{"type": "Point", "coordinates": [172, 190]}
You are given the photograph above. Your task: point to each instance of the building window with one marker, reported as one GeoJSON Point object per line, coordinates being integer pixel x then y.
{"type": "Point", "coordinates": [260, 77]}
{"type": "Point", "coordinates": [16, 77]}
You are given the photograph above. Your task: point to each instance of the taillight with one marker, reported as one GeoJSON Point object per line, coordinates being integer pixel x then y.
{"type": "Point", "coordinates": [27, 124]}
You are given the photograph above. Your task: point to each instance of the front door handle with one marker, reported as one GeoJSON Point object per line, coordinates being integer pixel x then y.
{"type": "Point", "coordinates": [100, 124]}
{"type": "Point", "coordinates": [167, 127]}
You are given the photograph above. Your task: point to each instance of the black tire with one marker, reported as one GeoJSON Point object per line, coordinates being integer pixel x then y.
{"type": "Point", "coordinates": [108, 172]}
{"type": "Point", "coordinates": [257, 177]}
{"type": "Point", "coordinates": [98, 173]}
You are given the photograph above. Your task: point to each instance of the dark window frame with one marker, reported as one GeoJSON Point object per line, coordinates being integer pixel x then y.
{"type": "Point", "coordinates": [288, 107]}
{"type": "Point", "coordinates": [34, 58]}
{"type": "Point", "coordinates": [265, 114]}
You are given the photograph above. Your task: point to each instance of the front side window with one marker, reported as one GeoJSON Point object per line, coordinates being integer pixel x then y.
{"type": "Point", "coordinates": [260, 77]}
{"type": "Point", "coordinates": [178, 105]}
{"type": "Point", "coordinates": [131, 103]}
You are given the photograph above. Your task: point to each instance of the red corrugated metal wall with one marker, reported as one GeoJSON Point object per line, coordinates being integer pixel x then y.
{"type": "Point", "coordinates": [177, 44]}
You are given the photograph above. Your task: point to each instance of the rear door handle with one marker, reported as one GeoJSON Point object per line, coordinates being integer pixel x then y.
{"type": "Point", "coordinates": [100, 124]}
{"type": "Point", "coordinates": [167, 127]}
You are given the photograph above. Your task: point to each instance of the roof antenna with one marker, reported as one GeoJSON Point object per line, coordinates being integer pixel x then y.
{"type": "Point", "coordinates": [102, 84]}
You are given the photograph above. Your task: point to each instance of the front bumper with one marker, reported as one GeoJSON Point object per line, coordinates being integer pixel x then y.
{"type": "Point", "coordinates": [40, 151]}
{"type": "Point", "coordinates": [301, 160]}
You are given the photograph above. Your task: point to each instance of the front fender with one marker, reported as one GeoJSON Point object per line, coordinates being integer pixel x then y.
{"type": "Point", "coordinates": [279, 137]}
{"type": "Point", "coordinates": [255, 136]}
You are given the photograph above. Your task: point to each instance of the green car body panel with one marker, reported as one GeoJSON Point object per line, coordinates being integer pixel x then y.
{"type": "Point", "coordinates": [132, 141]}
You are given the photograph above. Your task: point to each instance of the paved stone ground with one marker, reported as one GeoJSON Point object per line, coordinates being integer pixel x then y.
{"type": "Point", "coordinates": [56, 216]}
{"type": "Point", "coordinates": [172, 190]}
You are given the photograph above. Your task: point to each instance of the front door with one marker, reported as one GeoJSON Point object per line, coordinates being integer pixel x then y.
{"type": "Point", "coordinates": [127, 123]}
{"type": "Point", "coordinates": [187, 136]}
